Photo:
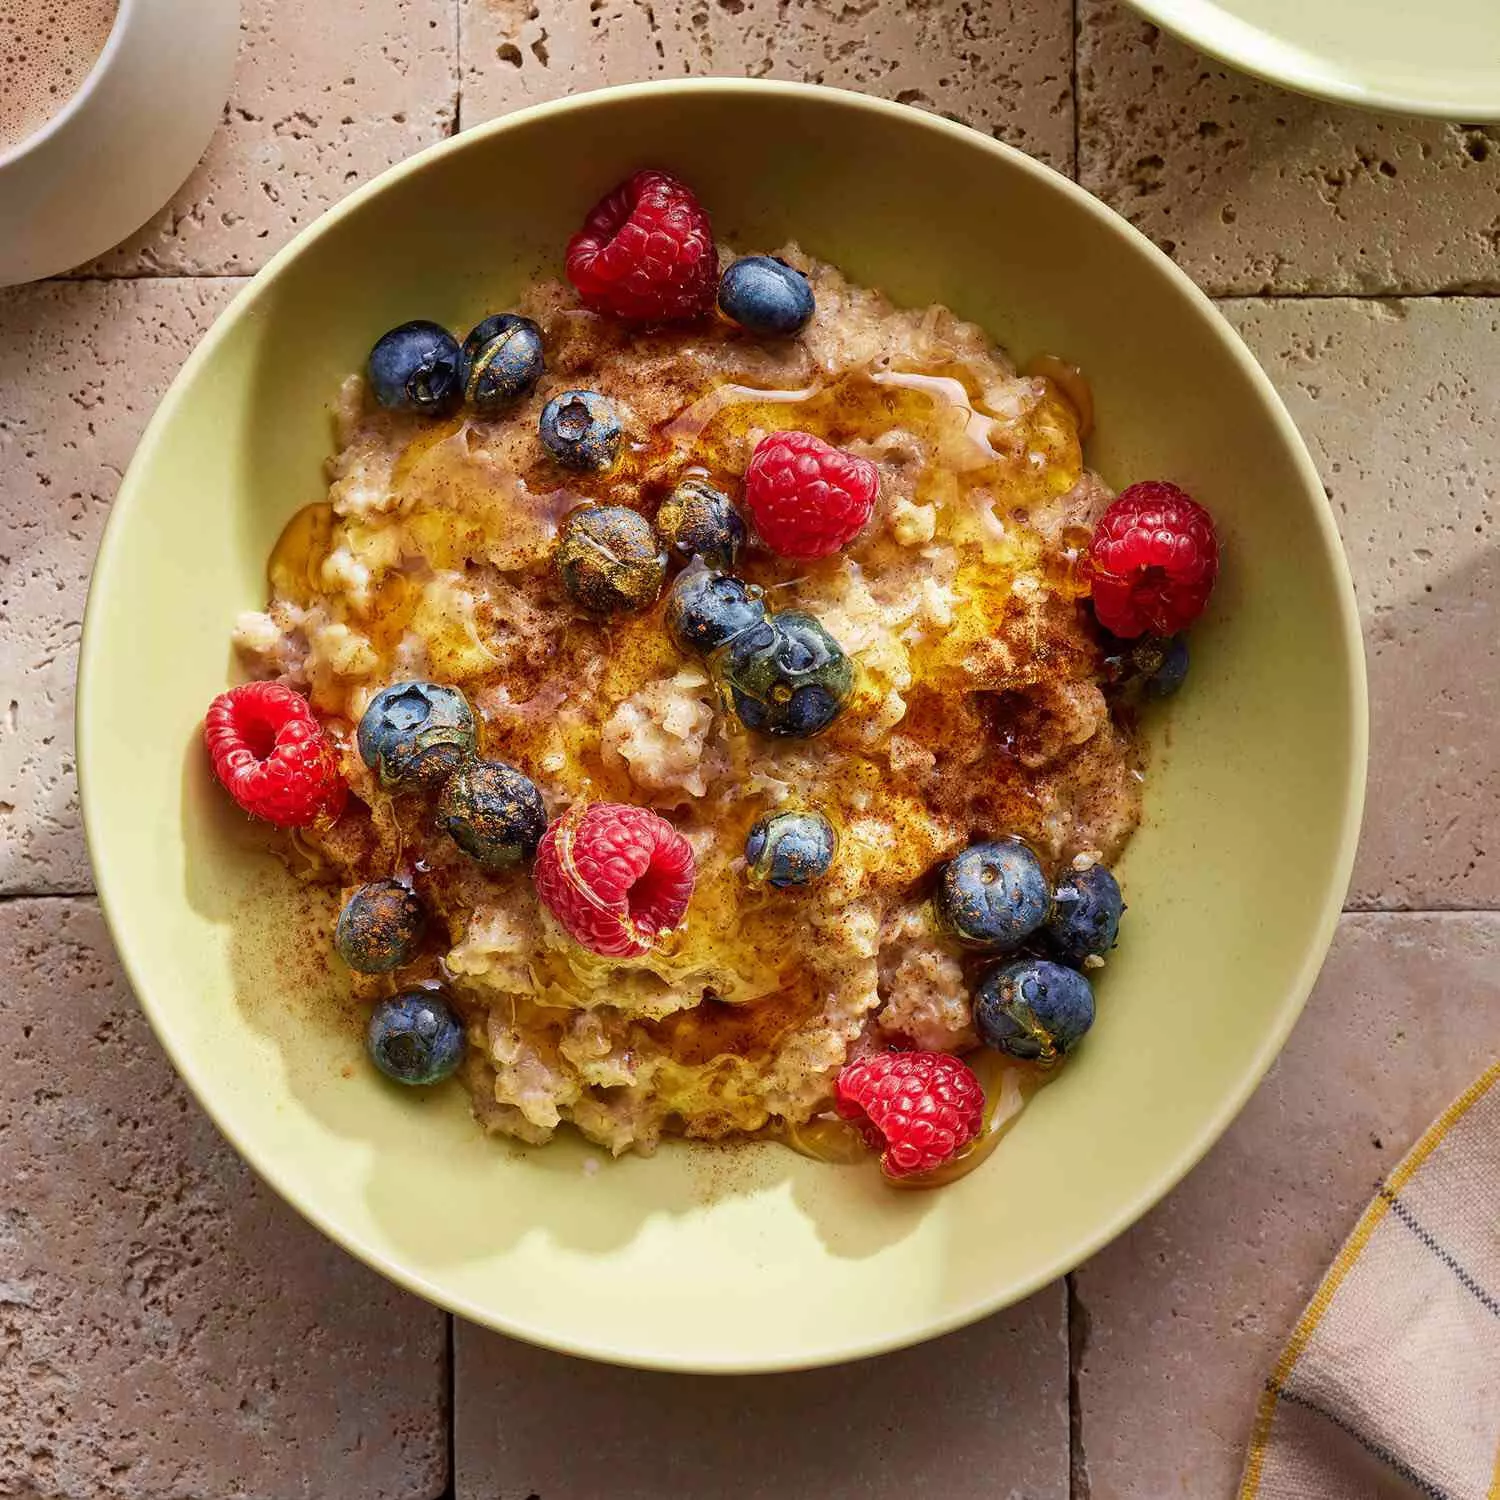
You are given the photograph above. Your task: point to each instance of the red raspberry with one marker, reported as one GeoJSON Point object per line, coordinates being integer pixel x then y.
{"type": "Point", "coordinates": [923, 1108]}
{"type": "Point", "coordinates": [616, 877]}
{"type": "Point", "coordinates": [807, 498]}
{"type": "Point", "coordinates": [646, 253]}
{"type": "Point", "coordinates": [1155, 558]}
{"type": "Point", "coordinates": [272, 755]}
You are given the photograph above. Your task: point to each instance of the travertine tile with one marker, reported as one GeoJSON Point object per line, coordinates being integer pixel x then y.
{"type": "Point", "coordinates": [1004, 66]}
{"type": "Point", "coordinates": [1254, 189]}
{"type": "Point", "coordinates": [1187, 1312]}
{"type": "Point", "coordinates": [82, 366]}
{"type": "Point", "coordinates": [979, 1414]}
{"type": "Point", "coordinates": [168, 1327]}
{"type": "Point", "coordinates": [1398, 402]}
{"type": "Point", "coordinates": [324, 97]}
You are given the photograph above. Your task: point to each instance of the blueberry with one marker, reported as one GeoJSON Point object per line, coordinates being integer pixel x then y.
{"type": "Point", "coordinates": [993, 896]}
{"type": "Point", "coordinates": [1085, 919]}
{"type": "Point", "coordinates": [791, 679]}
{"type": "Point", "coordinates": [417, 367]}
{"type": "Point", "coordinates": [504, 361]}
{"type": "Point", "coordinates": [493, 813]}
{"type": "Point", "coordinates": [708, 610]}
{"type": "Point", "coordinates": [1172, 670]}
{"type": "Point", "coordinates": [415, 734]}
{"type": "Point", "coordinates": [765, 295]}
{"type": "Point", "coordinates": [790, 848]}
{"type": "Point", "coordinates": [1153, 664]}
{"type": "Point", "coordinates": [380, 927]}
{"type": "Point", "coordinates": [415, 1037]}
{"type": "Point", "coordinates": [608, 559]}
{"type": "Point", "coordinates": [696, 520]}
{"type": "Point", "coordinates": [581, 430]}
{"type": "Point", "coordinates": [1033, 1009]}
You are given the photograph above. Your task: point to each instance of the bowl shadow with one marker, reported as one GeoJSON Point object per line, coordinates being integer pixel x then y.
{"type": "Point", "coordinates": [291, 990]}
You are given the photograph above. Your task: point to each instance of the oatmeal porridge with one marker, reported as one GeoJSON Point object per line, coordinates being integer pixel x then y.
{"type": "Point", "coordinates": [849, 716]}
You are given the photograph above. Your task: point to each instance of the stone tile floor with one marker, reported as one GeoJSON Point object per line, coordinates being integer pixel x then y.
{"type": "Point", "coordinates": [167, 1329]}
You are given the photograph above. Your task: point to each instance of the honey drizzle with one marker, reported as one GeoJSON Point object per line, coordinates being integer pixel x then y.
{"type": "Point", "coordinates": [295, 565]}
{"type": "Point", "coordinates": [950, 391]}
{"type": "Point", "coordinates": [450, 505]}
{"type": "Point", "coordinates": [1072, 383]}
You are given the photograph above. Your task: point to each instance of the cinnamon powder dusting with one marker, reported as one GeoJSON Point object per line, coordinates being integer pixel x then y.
{"type": "Point", "coordinates": [977, 710]}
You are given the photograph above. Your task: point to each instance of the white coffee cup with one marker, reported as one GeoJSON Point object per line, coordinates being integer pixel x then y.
{"type": "Point", "coordinates": [124, 143]}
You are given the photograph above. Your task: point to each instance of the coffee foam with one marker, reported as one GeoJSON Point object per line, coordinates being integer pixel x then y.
{"type": "Point", "coordinates": [47, 49]}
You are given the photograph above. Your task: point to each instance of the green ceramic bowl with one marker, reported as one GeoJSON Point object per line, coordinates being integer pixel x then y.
{"type": "Point", "coordinates": [745, 1258]}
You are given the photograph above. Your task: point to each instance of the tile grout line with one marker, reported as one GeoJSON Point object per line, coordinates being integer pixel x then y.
{"type": "Point", "coordinates": [1076, 1328]}
{"type": "Point", "coordinates": [458, 68]}
{"type": "Point", "coordinates": [450, 1489]}
{"type": "Point", "coordinates": [1266, 294]}
{"type": "Point", "coordinates": [9, 896]}
{"type": "Point", "coordinates": [1077, 116]}
{"type": "Point", "coordinates": [109, 278]}
{"type": "Point", "coordinates": [1073, 86]}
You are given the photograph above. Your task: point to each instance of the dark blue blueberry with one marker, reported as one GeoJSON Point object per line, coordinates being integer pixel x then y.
{"type": "Point", "coordinates": [993, 896]}
{"type": "Point", "coordinates": [1118, 668]}
{"type": "Point", "coordinates": [1169, 676]}
{"type": "Point", "coordinates": [807, 712]}
{"type": "Point", "coordinates": [765, 295]}
{"type": "Point", "coordinates": [581, 430]}
{"type": "Point", "coordinates": [790, 848]}
{"type": "Point", "coordinates": [1033, 1009]}
{"type": "Point", "coordinates": [791, 680]}
{"type": "Point", "coordinates": [380, 927]}
{"type": "Point", "coordinates": [696, 520]}
{"type": "Point", "coordinates": [608, 559]}
{"type": "Point", "coordinates": [415, 1037]}
{"type": "Point", "coordinates": [415, 734]}
{"type": "Point", "coordinates": [504, 359]}
{"type": "Point", "coordinates": [708, 610]}
{"type": "Point", "coordinates": [493, 813]}
{"type": "Point", "coordinates": [1085, 919]}
{"type": "Point", "coordinates": [417, 367]}
{"type": "Point", "coordinates": [1152, 664]}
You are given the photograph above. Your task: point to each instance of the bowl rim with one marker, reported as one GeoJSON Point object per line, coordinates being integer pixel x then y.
{"type": "Point", "coordinates": [101, 852]}
{"type": "Point", "coordinates": [1250, 48]}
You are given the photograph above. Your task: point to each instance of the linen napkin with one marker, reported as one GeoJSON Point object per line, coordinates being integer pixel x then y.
{"type": "Point", "coordinates": [1390, 1385]}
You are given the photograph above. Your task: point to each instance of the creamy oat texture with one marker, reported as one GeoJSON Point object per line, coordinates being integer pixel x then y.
{"type": "Point", "coordinates": [977, 710]}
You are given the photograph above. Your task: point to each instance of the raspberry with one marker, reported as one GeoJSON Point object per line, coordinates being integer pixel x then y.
{"type": "Point", "coordinates": [272, 755]}
{"type": "Point", "coordinates": [1155, 558]}
{"type": "Point", "coordinates": [616, 877]}
{"type": "Point", "coordinates": [808, 499]}
{"type": "Point", "coordinates": [923, 1108]}
{"type": "Point", "coordinates": [646, 253]}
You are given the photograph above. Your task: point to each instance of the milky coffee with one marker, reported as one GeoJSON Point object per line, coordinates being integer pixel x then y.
{"type": "Point", "coordinates": [47, 49]}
